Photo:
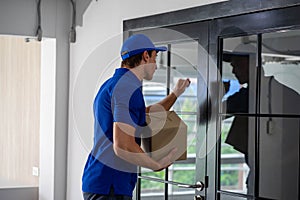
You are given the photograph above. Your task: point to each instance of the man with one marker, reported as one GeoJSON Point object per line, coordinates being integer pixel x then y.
{"type": "Point", "coordinates": [238, 103]}
{"type": "Point", "coordinates": [120, 118]}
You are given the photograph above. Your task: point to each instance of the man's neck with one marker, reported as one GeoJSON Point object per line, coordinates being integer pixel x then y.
{"type": "Point", "coordinates": [137, 71]}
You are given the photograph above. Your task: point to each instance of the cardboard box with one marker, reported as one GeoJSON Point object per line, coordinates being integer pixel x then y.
{"type": "Point", "coordinates": [167, 131]}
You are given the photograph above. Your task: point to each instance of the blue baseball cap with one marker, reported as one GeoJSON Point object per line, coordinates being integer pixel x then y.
{"type": "Point", "coordinates": [136, 44]}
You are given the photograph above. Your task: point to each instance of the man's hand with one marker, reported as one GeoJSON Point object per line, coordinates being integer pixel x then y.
{"type": "Point", "coordinates": [168, 102]}
{"type": "Point", "coordinates": [181, 85]}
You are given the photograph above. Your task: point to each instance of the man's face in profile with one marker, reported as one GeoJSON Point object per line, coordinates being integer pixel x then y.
{"type": "Point", "coordinates": [240, 68]}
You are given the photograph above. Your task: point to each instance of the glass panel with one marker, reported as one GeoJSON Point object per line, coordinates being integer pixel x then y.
{"type": "Point", "coordinates": [184, 65]}
{"type": "Point", "coordinates": [177, 193]}
{"type": "Point", "coordinates": [279, 158]}
{"type": "Point", "coordinates": [151, 190]}
{"type": "Point", "coordinates": [237, 97]}
{"type": "Point", "coordinates": [232, 197]}
{"type": "Point", "coordinates": [236, 150]}
{"type": "Point", "coordinates": [238, 75]}
{"type": "Point", "coordinates": [184, 62]}
{"type": "Point", "coordinates": [191, 122]}
{"type": "Point", "coordinates": [280, 77]}
{"type": "Point", "coordinates": [154, 91]}
{"type": "Point", "coordinates": [185, 171]}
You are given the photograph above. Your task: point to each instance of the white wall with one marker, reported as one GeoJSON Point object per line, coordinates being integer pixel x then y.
{"type": "Point", "coordinates": [47, 119]}
{"type": "Point", "coordinates": [93, 58]}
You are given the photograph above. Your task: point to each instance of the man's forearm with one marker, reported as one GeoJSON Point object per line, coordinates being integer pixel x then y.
{"type": "Point", "coordinates": [126, 148]}
{"type": "Point", "coordinates": [136, 156]}
{"type": "Point", "coordinates": [165, 104]}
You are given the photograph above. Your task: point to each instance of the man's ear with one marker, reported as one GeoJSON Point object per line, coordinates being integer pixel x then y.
{"type": "Point", "coordinates": [145, 56]}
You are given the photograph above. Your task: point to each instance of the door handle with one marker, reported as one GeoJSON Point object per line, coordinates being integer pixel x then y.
{"type": "Point", "coordinates": [199, 185]}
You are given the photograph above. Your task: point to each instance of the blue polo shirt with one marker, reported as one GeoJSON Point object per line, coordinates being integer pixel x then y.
{"type": "Point", "coordinates": [119, 99]}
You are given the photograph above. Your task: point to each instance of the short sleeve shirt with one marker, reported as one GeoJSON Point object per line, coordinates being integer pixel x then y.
{"type": "Point", "coordinates": [119, 99]}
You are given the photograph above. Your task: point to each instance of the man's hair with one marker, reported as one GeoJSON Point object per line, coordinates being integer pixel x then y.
{"type": "Point", "coordinates": [135, 60]}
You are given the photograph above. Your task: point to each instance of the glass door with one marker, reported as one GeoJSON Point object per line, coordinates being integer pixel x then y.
{"type": "Point", "coordinates": [279, 123]}
{"type": "Point", "coordinates": [259, 110]}
{"type": "Point", "coordinates": [259, 116]}
{"type": "Point", "coordinates": [186, 58]}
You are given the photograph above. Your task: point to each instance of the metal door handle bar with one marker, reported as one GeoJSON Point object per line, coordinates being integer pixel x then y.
{"type": "Point", "coordinates": [199, 185]}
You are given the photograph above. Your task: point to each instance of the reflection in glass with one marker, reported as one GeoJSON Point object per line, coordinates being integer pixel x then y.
{"type": "Point", "coordinates": [278, 164]}
{"type": "Point", "coordinates": [279, 158]}
{"type": "Point", "coordinates": [236, 164]}
{"type": "Point", "coordinates": [280, 94]}
{"type": "Point", "coordinates": [238, 75]}
{"type": "Point", "coordinates": [238, 100]}
{"type": "Point", "coordinates": [280, 77]}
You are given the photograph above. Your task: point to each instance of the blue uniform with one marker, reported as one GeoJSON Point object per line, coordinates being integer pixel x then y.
{"type": "Point", "coordinates": [119, 99]}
